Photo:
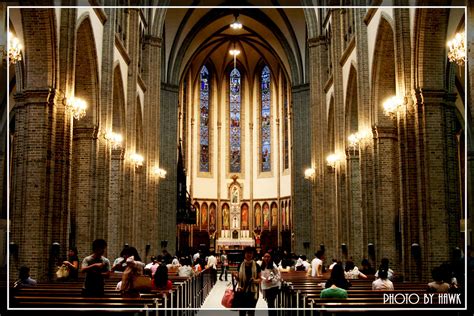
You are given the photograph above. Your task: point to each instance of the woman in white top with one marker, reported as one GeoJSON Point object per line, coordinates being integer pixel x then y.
{"type": "Point", "coordinates": [185, 270]}
{"type": "Point", "coordinates": [271, 281]}
{"type": "Point", "coordinates": [352, 272]}
{"type": "Point", "coordinates": [382, 283]}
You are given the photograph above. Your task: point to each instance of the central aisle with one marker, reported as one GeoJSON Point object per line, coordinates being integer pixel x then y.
{"type": "Point", "coordinates": [213, 302]}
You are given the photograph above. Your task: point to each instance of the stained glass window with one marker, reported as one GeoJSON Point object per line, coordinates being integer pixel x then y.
{"type": "Point", "coordinates": [235, 135]}
{"type": "Point", "coordinates": [265, 120]}
{"type": "Point", "coordinates": [286, 159]}
{"type": "Point", "coordinates": [204, 125]}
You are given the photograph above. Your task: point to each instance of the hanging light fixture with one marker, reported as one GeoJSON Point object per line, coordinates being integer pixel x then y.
{"type": "Point", "coordinates": [76, 107]}
{"type": "Point", "coordinates": [114, 139]}
{"type": "Point", "coordinates": [309, 173]}
{"type": "Point", "coordinates": [14, 49]}
{"type": "Point", "coordinates": [333, 159]}
{"type": "Point", "coordinates": [457, 49]}
{"type": "Point", "coordinates": [137, 159]}
{"type": "Point", "coordinates": [161, 173]}
{"type": "Point", "coordinates": [234, 52]}
{"type": "Point", "coordinates": [392, 105]}
{"type": "Point", "coordinates": [236, 25]}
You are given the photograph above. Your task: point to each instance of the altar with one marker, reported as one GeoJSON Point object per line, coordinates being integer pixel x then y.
{"type": "Point", "coordinates": [235, 238]}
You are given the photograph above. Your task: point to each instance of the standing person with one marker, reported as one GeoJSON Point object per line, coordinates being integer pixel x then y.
{"type": "Point", "coordinates": [96, 267]}
{"type": "Point", "coordinates": [212, 265]}
{"type": "Point", "coordinates": [72, 263]}
{"type": "Point", "coordinates": [271, 281]}
{"type": "Point", "coordinates": [248, 280]}
{"type": "Point", "coordinates": [224, 265]}
{"type": "Point", "coordinates": [317, 264]}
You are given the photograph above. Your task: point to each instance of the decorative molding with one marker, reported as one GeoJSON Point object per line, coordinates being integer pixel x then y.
{"type": "Point", "coordinates": [328, 84]}
{"type": "Point", "coordinates": [143, 18]}
{"type": "Point", "coordinates": [100, 12]}
{"type": "Point", "coordinates": [371, 12]}
{"type": "Point", "coordinates": [121, 49]}
{"type": "Point", "coordinates": [347, 52]}
{"type": "Point", "coordinates": [141, 83]}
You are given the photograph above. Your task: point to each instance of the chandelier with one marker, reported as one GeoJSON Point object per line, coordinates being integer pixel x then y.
{"type": "Point", "coordinates": [236, 25]}
{"type": "Point", "coordinates": [76, 107]}
{"type": "Point", "coordinates": [234, 52]}
{"type": "Point", "coordinates": [457, 49]}
{"type": "Point", "coordinates": [392, 105]}
{"type": "Point", "coordinates": [114, 139]}
{"type": "Point", "coordinates": [14, 49]}
{"type": "Point", "coordinates": [161, 173]}
{"type": "Point", "coordinates": [137, 159]}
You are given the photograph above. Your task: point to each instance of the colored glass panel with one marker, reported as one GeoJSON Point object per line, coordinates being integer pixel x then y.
{"type": "Point", "coordinates": [265, 120]}
{"type": "Point", "coordinates": [235, 120]}
{"type": "Point", "coordinates": [204, 125]}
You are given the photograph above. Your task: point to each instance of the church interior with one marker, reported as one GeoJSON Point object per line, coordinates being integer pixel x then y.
{"type": "Point", "coordinates": [302, 128]}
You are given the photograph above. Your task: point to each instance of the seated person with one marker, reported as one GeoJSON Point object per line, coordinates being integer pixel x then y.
{"type": "Point", "coordinates": [24, 279]}
{"type": "Point", "coordinates": [382, 283]}
{"type": "Point", "coordinates": [337, 285]}
{"type": "Point", "coordinates": [352, 272]}
{"type": "Point", "coordinates": [438, 285]}
{"type": "Point", "coordinates": [160, 279]}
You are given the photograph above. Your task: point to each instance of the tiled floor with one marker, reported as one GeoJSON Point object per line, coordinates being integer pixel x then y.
{"type": "Point", "coordinates": [212, 305]}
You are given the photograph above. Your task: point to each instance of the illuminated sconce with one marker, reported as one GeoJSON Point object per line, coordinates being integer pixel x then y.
{"type": "Point", "coordinates": [161, 173]}
{"type": "Point", "coordinates": [14, 49]}
{"type": "Point", "coordinates": [333, 159]}
{"type": "Point", "coordinates": [114, 139]}
{"type": "Point", "coordinates": [457, 49]}
{"type": "Point", "coordinates": [76, 107]}
{"type": "Point", "coordinates": [356, 139]}
{"type": "Point", "coordinates": [392, 105]}
{"type": "Point", "coordinates": [137, 159]}
{"type": "Point", "coordinates": [309, 173]}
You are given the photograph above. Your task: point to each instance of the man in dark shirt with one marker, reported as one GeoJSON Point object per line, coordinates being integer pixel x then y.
{"type": "Point", "coordinates": [96, 267]}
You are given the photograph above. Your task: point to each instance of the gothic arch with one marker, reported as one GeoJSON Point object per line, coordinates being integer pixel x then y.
{"type": "Point", "coordinates": [383, 71]}
{"type": "Point", "coordinates": [352, 108]}
{"type": "Point", "coordinates": [38, 43]}
{"type": "Point", "coordinates": [118, 95]}
{"type": "Point", "coordinates": [86, 81]}
{"type": "Point", "coordinates": [84, 143]}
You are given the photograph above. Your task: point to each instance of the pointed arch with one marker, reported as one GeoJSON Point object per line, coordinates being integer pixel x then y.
{"type": "Point", "coordinates": [383, 69]}
{"type": "Point", "coordinates": [352, 108]}
{"type": "Point", "coordinates": [258, 215]}
{"type": "Point", "coordinates": [204, 216]}
{"type": "Point", "coordinates": [244, 213]}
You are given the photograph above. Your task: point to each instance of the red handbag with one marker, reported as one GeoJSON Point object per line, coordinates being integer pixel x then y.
{"type": "Point", "coordinates": [228, 298]}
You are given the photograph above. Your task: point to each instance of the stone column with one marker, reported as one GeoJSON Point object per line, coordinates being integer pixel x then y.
{"type": "Point", "coordinates": [318, 76]}
{"type": "Point", "coordinates": [83, 215]}
{"type": "Point", "coordinates": [151, 118]}
{"type": "Point", "coordinates": [439, 208]}
{"type": "Point", "coordinates": [31, 185]}
{"type": "Point", "coordinates": [168, 161]}
{"type": "Point", "coordinates": [302, 199]}
{"type": "Point", "coordinates": [387, 192]}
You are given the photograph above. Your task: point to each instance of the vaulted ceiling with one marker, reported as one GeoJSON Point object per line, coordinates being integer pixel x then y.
{"type": "Point", "coordinates": [275, 36]}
